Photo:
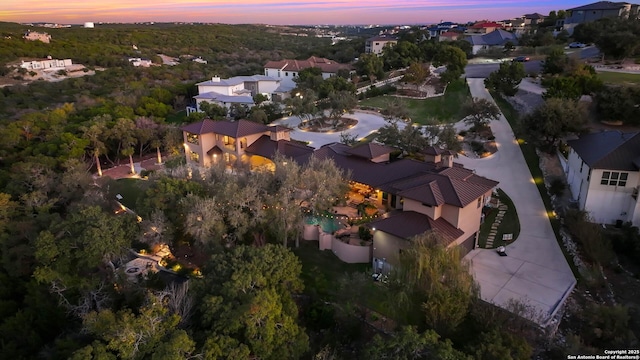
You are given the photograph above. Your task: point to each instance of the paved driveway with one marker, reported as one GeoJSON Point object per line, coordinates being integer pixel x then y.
{"type": "Point", "coordinates": [535, 270]}
{"type": "Point", "coordinates": [368, 122]}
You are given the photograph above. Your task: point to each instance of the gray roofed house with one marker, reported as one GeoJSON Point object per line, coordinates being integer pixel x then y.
{"type": "Point", "coordinates": [497, 38]}
{"type": "Point", "coordinates": [603, 173]}
{"type": "Point", "coordinates": [376, 44]}
{"type": "Point", "coordinates": [596, 11]}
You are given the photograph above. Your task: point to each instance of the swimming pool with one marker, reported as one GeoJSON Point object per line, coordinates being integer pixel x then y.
{"type": "Point", "coordinates": [327, 225]}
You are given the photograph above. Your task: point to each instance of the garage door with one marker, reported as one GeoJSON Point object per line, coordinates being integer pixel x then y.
{"type": "Point", "coordinates": [468, 245]}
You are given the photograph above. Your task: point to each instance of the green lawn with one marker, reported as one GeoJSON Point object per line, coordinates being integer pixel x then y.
{"type": "Point", "coordinates": [510, 223]}
{"type": "Point", "coordinates": [610, 77]}
{"type": "Point", "coordinates": [438, 110]}
{"type": "Point", "coordinates": [128, 188]}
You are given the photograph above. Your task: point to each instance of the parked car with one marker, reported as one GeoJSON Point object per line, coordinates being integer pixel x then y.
{"type": "Point", "coordinates": [577, 45]}
{"type": "Point", "coordinates": [521, 59]}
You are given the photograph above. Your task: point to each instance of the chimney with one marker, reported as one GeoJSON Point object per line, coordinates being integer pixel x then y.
{"type": "Point", "coordinates": [447, 160]}
{"type": "Point", "coordinates": [215, 79]}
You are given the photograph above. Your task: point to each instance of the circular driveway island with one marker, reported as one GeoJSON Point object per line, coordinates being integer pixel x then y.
{"type": "Point", "coordinates": [368, 123]}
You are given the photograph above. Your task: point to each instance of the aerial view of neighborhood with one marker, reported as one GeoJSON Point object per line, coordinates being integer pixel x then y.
{"type": "Point", "coordinates": [319, 180]}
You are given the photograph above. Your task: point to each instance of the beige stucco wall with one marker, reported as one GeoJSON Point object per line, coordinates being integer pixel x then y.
{"type": "Point", "coordinates": [466, 219]}
{"type": "Point", "coordinates": [381, 158]}
{"type": "Point", "coordinates": [310, 232]}
{"type": "Point", "coordinates": [206, 142]}
{"type": "Point", "coordinates": [351, 254]}
{"type": "Point", "coordinates": [386, 246]}
{"type": "Point", "coordinates": [433, 212]}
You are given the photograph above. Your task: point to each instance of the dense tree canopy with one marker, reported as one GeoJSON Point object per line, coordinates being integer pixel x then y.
{"type": "Point", "coordinates": [506, 79]}
{"type": "Point", "coordinates": [432, 278]}
{"type": "Point", "coordinates": [246, 301]}
{"type": "Point", "coordinates": [555, 119]}
{"type": "Point", "coordinates": [617, 38]}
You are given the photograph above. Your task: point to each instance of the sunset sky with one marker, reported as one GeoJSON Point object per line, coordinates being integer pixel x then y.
{"type": "Point", "coordinates": [300, 12]}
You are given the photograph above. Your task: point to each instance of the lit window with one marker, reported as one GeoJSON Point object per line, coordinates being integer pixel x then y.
{"type": "Point", "coordinates": [193, 139]}
{"type": "Point", "coordinates": [614, 178]}
{"type": "Point", "coordinates": [194, 156]}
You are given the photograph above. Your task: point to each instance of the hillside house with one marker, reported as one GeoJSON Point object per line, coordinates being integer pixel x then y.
{"type": "Point", "coordinates": [53, 64]}
{"type": "Point", "coordinates": [235, 90]}
{"type": "Point", "coordinates": [533, 19]}
{"type": "Point", "coordinates": [450, 36]}
{"type": "Point", "coordinates": [238, 143]}
{"type": "Point", "coordinates": [596, 11]}
{"type": "Point", "coordinates": [435, 194]}
{"type": "Point", "coordinates": [376, 44]}
{"type": "Point", "coordinates": [287, 70]}
{"type": "Point", "coordinates": [603, 173]}
{"type": "Point", "coordinates": [494, 39]}
{"type": "Point", "coordinates": [482, 27]}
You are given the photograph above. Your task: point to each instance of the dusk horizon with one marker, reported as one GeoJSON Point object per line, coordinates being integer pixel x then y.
{"type": "Point", "coordinates": [277, 12]}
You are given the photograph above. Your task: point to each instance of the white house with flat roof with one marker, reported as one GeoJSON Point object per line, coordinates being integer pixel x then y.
{"type": "Point", "coordinates": [235, 90]}
{"type": "Point", "coordinates": [46, 64]}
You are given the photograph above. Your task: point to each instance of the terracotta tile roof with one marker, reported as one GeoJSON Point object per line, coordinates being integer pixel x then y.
{"type": "Point", "coordinates": [268, 148]}
{"type": "Point", "coordinates": [200, 127]}
{"type": "Point", "coordinates": [433, 150]}
{"type": "Point", "coordinates": [485, 24]}
{"type": "Point", "coordinates": [326, 65]}
{"type": "Point", "coordinates": [612, 150]}
{"type": "Point", "coordinates": [408, 224]}
{"type": "Point", "coordinates": [370, 150]}
{"type": "Point", "coordinates": [234, 129]}
{"type": "Point", "coordinates": [426, 182]}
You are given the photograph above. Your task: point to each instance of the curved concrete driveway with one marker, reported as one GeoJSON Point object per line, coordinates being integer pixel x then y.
{"type": "Point", "coordinates": [367, 124]}
{"type": "Point", "coordinates": [535, 270]}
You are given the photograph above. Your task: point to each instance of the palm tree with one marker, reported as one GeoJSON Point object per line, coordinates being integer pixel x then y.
{"type": "Point", "coordinates": [128, 151]}
{"type": "Point", "coordinates": [94, 134]}
{"type": "Point", "coordinates": [156, 143]}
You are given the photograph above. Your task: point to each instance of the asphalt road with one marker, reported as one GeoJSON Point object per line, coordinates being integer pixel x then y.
{"type": "Point", "coordinates": [534, 66]}
{"type": "Point", "coordinates": [483, 70]}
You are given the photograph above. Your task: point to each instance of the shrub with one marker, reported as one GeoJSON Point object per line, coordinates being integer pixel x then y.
{"type": "Point", "coordinates": [364, 233]}
{"type": "Point", "coordinates": [557, 187]}
{"type": "Point", "coordinates": [477, 146]}
{"type": "Point", "coordinates": [594, 245]}
{"type": "Point", "coordinates": [627, 242]}
{"type": "Point", "coordinates": [379, 91]}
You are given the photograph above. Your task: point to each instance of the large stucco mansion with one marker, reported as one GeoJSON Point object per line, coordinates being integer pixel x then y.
{"type": "Point", "coordinates": [420, 195]}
